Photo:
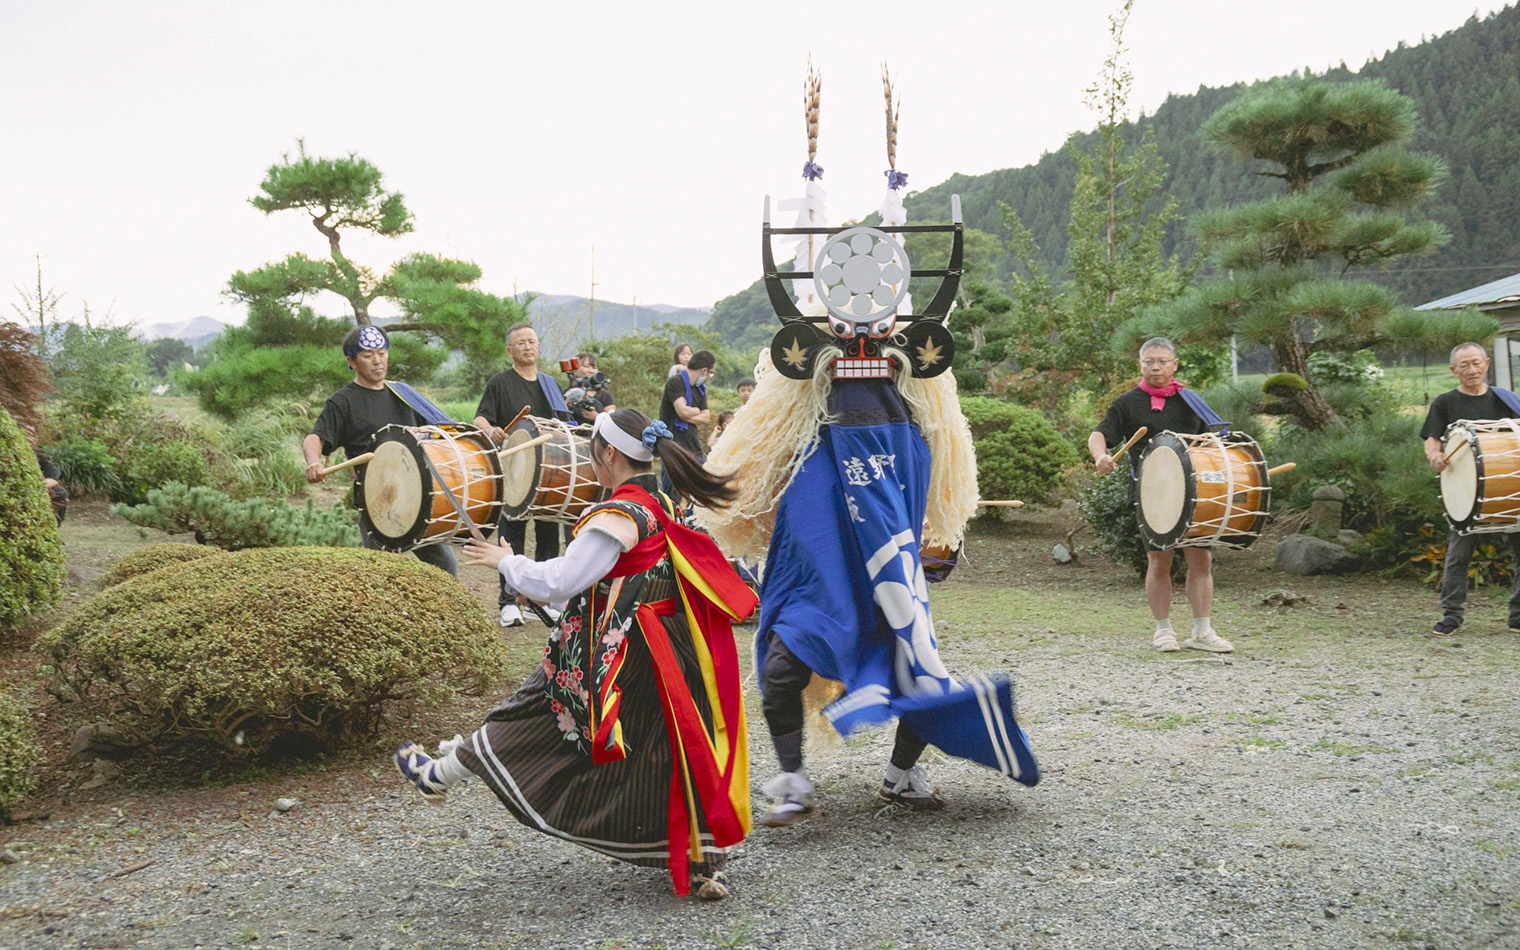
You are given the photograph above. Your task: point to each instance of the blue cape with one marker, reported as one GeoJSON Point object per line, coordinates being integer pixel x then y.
{"type": "Point", "coordinates": [845, 591]}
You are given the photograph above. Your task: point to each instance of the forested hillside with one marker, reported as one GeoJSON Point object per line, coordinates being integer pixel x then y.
{"type": "Point", "coordinates": [1465, 82]}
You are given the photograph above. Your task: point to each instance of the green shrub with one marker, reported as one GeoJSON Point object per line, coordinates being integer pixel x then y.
{"type": "Point", "coordinates": [148, 464]}
{"type": "Point", "coordinates": [232, 524]}
{"type": "Point", "coordinates": [85, 466]}
{"type": "Point", "coordinates": [153, 557]}
{"type": "Point", "coordinates": [1018, 453]}
{"type": "Point", "coordinates": [1105, 506]}
{"type": "Point", "coordinates": [253, 648]}
{"type": "Point", "coordinates": [31, 555]}
{"type": "Point", "coordinates": [19, 754]}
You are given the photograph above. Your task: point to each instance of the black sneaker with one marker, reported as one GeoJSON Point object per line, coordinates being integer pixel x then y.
{"type": "Point", "coordinates": [1514, 625]}
{"type": "Point", "coordinates": [1447, 626]}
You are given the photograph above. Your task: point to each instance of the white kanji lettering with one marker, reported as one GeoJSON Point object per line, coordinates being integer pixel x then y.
{"type": "Point", "coordinates": [855, 472]}
{"type": "Point", "coordinates": [849, 500]}
{"type": "Point", "coordinates": [880, 463]}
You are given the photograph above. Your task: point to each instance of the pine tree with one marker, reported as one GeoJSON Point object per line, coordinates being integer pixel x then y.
{"type": "Point", "coordinates": [1335, 148]}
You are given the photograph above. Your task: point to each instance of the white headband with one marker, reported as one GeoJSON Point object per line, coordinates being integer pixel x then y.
{"type": "Point", "coordinates": [614, 436]}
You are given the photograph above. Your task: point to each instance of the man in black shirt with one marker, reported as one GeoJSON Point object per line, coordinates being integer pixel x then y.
{"type": "Point", "coordinates": [1157, 403]}
{"type": "Point", "coordinates": [352, 416]}
{"type": "Point", "coordinates": [57, 494]}
{"type": "Point", "coordinates": [683, 406]}
{"type": "Point", "coordinates": [506, 394]}
{"type": "Point", "coordinates": [1473, 399]}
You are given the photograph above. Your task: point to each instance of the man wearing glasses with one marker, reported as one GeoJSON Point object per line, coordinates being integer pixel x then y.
{"type": "Point", "coordinates": [1476, 400]}
{"type": "Point", "coordinates": [1158, 404]}
{"type": "Point", "coordinates": [521, 384]}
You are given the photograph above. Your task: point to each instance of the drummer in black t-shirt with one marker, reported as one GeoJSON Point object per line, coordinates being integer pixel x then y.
{"type": "Point", "coordinates": [506, 394]}
{"type": "Point", "coordinates": [353, 415]}
{"type": "Point", "coordinates": [1476, 400]}
{"type": "Point", "coordinates": [1156, 403]}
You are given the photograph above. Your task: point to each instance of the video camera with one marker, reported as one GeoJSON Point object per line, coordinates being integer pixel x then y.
{"type": "Point", "coordinates": [595, 382]}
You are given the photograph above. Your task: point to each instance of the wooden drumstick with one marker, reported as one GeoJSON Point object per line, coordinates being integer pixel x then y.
{"type": "Point", "coordinates": [356, 460]}
{"type": "Point", "coordinates": [515, 419]}
{"type": "Point", "coordinates": [1001, 503]}
{"type": "Point", "coordinates": [1284, 467]}
{"type": "Point", "coordinates": [1139, 434]}
{"type": "Point", "coordinates": [1456, 447]}
{"type": "Point", "coordinates": [538, 440]}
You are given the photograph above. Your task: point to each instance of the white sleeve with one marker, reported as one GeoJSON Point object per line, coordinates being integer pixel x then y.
{"type": "Point", "coordinates": [587, 560]}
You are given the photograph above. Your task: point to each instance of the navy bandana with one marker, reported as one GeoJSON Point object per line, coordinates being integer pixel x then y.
{"type": "Point", "coordinates": [370, 338]}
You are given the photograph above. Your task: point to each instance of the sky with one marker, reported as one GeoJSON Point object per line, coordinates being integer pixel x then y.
{"type": "Point", "coordinates": [534, 138]}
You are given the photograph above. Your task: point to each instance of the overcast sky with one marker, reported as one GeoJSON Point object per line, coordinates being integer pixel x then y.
{"type": "Point", "coordinates": [522, 134]}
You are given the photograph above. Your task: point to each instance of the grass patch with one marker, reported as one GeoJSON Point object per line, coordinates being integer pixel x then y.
{"type": "Point", "coordinates": [1337, 747]}
{"type": "Point", "coordinates": [1263, 743]}
{"type": "Point", "coordinates": [1156, 722]}
{"type": "Point", "coordinates": [1470, 758]}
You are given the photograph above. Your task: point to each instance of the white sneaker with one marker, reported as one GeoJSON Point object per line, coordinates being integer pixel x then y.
{"type": "Point", "coordinates": [911, 788]}
{"type": "Point", "coordinates": [551, 613]}
{"type": "Point", "coordinates": [794, 798]}
{"type": "Point", "coordinates": [1165, 641]}
{"type": "Point", "coordinates": [511, 616]}
{"type": "Point", "coordinates": [1210, 641]}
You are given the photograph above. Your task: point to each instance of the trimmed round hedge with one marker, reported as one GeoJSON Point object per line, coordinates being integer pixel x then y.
{"type": "Point", "coordinates": [153, 557]}
{"type": "Point", "coordinates": [267, 645]}
{"type": "Point", "coordinates": [31, 555]}
{"type": "Point", "coordinates": [19, 753]}
{"type": "Point", "coordinates": [1018, 453]}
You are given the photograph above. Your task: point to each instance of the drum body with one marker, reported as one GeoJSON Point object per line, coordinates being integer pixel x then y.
{"type": "Point", "coordinates": [1480, 485]}
{"type": "Point", "coordinates": [1204, 491]}
{"type": "Point", "coordinates": [551, 481]}
{"type": "Point", "coordinates": [398, 496]}
{"type": "Point", "coordinates": [938, 560]}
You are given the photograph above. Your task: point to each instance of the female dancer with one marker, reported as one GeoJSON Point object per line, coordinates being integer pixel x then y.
{"type": "Point", "coordinates": [629, 738]}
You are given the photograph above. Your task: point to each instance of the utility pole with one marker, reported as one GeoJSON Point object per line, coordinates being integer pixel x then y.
{"type": "Point", "coordinates": [635, 311]}
{"type": "Point", "coordinates": [592, 332]}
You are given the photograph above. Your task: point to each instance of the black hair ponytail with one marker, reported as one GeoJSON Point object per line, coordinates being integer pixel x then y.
{"type": "Point", "coordinates": [684, 469]}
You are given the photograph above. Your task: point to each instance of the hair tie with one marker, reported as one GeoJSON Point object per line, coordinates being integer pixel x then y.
{"type": "Point", "coordinates": [655, 431]}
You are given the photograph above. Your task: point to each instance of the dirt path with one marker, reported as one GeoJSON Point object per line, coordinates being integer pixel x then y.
{"type": "Point", "coordinates": [1342, 780]}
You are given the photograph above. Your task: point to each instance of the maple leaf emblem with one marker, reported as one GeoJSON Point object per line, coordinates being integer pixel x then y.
{"type": "Point", "coordinates": [928, 354]}
{"type": "Point", "coordinates": [794, 355]}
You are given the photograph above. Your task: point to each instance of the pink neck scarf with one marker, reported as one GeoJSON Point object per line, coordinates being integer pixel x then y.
{"type": "Point", "coordinates": [1158, 394]}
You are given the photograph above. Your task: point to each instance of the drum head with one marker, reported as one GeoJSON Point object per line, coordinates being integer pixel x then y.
{"type": "Point", "coordinates": [393, 489]}
{"type": "Point", "coordinates": [1459, 485]}
{"type": "Point", "coordinates": [1165, 490]}
{"type": "Point", "coordinates": [519, 471]}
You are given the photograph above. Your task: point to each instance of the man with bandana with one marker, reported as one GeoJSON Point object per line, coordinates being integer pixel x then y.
{"type": "Point", "coordinates": [353, 415]}
{"type": "Point", "coordinates": [1163, 403]}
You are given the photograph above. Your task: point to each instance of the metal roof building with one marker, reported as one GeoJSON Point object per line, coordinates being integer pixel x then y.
{"type": "Point", "coordinates": [1499, 299]}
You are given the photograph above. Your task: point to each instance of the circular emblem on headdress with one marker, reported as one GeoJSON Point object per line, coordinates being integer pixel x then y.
{"type": "Point", "coordinates": [370, 338]}
{"type": "Point", "coordinates": [861, 275]}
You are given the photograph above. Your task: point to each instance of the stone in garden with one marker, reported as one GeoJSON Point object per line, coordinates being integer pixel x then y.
{"type": "Point", "coordinates": [1352, 541]}
{"type": "Point", "coordinates": [9, 857]}
{"type": "Point", "coordinates": [285, 804]}
{"type": "Point", "coordinates": [1285, 598]}
{"type": "Point", "coordinates": [1325, 512]}
{"type": "Point", "coordinates": [1061, 553]}
{"type": "Point", "coordinates": [1304, 554]}
{"type": "Point", "coordinates": [99, 740]}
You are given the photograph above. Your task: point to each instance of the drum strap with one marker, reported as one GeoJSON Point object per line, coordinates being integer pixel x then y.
{"type": "Point", "coordinates": [418, 403]}
{"type": "Point", "coordinates": [1510, 399]}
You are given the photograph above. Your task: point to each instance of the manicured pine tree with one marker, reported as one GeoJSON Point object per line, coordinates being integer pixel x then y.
{"type": "Point", "coordinates": [1287, 264]}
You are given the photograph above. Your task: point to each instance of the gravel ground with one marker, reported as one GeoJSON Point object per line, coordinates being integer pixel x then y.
{"type": "Point", "coordinates": [1343, 780]}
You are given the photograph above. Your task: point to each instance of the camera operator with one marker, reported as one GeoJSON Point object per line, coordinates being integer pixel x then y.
{"type": "Point", "coordinates": [588, 376]}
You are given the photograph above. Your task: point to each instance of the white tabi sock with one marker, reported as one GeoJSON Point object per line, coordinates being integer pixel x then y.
{"type": "Point", "coordinates": [1164, 625]}
{"type": "Point", "coordinates": [447, 768]}
{"type": "Point", "coordinates": [1201, 626]}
